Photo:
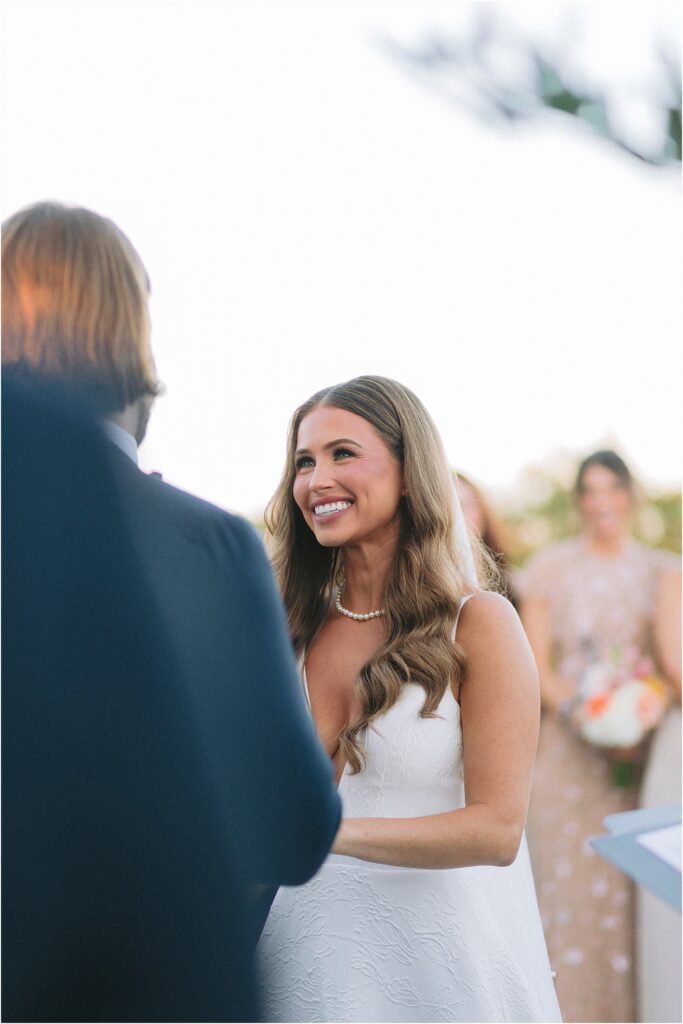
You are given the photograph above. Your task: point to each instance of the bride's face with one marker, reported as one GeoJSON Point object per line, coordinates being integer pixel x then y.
{"type": "Point", "coordinates": [348, 483]}
{"type": "Point", "coordinates": [605, 504]}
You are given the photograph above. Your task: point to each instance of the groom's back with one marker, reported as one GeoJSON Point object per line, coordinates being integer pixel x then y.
{"type": "Point", "coordinates": [120, 901]}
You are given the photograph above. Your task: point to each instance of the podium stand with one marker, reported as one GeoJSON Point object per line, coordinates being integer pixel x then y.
{"type": "Point", "coordinates": [646, 845]}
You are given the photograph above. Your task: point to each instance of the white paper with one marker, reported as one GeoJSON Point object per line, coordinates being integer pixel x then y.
{"type": "Point", "coordinates": [665, 843]}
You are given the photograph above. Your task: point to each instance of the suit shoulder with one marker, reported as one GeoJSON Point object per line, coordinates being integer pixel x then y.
{"type": "Point", "coordinates": [176, 497]}
{"type": "Point", "coordinates": [197, 516]}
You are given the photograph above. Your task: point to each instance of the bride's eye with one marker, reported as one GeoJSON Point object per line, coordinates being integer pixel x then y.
{"type": "Point", "coordinates": [303, 462]}
{"type": "Point", "coordinates": [342, 453]}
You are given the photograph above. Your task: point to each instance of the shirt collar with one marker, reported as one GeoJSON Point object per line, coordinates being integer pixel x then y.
{"type": "Point", "coordinates": [122, 439]}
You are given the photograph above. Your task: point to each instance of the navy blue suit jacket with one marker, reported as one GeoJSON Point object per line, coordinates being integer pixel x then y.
{"type": "Point", "coordinates": [157, 754]}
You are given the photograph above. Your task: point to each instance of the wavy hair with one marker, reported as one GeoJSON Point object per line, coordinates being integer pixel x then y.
{"type": "Point", "coordinates": [75, 305]}
{"type": "Point", "coordinates": [425, 583]}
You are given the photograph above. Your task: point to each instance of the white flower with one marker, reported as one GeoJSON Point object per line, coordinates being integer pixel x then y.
{"type": "Point", "coordinates": [596, 679]}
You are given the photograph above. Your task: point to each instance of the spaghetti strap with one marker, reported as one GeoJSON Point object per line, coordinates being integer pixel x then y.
{"type": "Point", "coordinates": [301, 665]}
{"type": "Point", "coordinates": [463, 602]}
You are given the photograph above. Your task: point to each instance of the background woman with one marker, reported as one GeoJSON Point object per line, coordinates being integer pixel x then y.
{"type": "Point", "coordinates": [480, 516]}
{"type": "Point", "coordinates": [582, 599]}
{"type": "Point", "coordinates": [426, 909]}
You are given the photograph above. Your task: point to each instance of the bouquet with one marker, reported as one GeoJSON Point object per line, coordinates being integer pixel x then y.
{"type": "Point", "coordinates": [620, 701]}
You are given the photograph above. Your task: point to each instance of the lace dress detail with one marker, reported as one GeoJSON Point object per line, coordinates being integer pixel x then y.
{"type": "Point", "coordinates": [373, 942]}
{"type": "Point", "coordinates": [587, 907]}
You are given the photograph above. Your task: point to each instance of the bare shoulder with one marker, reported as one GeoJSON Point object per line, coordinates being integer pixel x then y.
{"type": "Point", "coordinates": [486, 617]}
{"type": "Point", "coordinates": [495, 644]}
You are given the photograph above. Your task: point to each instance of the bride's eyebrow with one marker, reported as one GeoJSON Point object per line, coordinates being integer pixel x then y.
{"type": "Point", "coordinates": [331, 444]}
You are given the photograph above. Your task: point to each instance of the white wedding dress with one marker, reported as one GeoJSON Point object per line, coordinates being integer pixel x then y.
{"type": "Point", "coordinates": [371, 942]}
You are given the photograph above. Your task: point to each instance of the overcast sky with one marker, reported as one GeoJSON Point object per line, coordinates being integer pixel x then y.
{"type": "Point", "coordinates": [308, 212]}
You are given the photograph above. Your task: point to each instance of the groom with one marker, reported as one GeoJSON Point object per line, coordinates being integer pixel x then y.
{"type": "Point", "coordinates": [75, 325]}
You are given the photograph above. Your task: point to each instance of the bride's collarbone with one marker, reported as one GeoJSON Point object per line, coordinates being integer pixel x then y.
{"type": "Point", "coordinates": [340, 650]}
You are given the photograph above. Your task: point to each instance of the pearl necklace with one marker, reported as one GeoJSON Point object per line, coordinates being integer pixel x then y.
{"type": "Point", "coordinates": [354, 615]}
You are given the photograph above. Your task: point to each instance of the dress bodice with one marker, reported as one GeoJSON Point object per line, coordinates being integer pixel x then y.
{"type": "Point", "coordinates": [413, 765]}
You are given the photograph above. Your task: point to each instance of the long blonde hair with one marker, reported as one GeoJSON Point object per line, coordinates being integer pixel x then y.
{"type": "Point", "coordinates": [426, 583]}
{"type": "Point", "coordinates": [75, 305]}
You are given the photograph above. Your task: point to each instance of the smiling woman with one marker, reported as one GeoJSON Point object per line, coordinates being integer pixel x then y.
{"type": "Point", "coordinates": [432, 736]}
{"type": "Point", "coordinates": [365, 505]}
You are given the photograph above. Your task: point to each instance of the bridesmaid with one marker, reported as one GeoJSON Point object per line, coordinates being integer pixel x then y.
{"type": "Point", "coordinates": [581, 598]}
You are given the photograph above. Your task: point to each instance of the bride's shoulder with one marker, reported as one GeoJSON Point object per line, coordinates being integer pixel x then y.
{"type": "Point", "coordinates": [496, 648]}
{"type": "Point", "coordinates": [485, 615]}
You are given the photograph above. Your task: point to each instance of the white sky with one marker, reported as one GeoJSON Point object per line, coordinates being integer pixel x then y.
{"type": "Point", "coordinates": [309, 212]}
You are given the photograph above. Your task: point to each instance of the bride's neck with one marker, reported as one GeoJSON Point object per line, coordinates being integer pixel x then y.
{"type": "Point", "coordinates": [366, 573]}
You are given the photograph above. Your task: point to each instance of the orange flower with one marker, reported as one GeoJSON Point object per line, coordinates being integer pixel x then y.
{"type": "Point", "coordinates": [596, 706]}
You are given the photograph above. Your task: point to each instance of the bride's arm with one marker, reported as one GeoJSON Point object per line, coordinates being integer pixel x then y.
{"type": "Point", "coordinates": [499, 706]}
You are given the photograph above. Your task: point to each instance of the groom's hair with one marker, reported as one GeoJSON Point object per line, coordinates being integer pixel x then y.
{"type": "Point", "coordinates": [75, 305]}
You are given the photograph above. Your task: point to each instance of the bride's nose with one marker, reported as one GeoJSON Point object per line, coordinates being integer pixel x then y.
{"type": "Point", "coordinates": [321, 478]}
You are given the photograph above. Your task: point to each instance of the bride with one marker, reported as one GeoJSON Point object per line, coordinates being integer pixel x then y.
{"type": "Point", "coordinates": [425, 910]}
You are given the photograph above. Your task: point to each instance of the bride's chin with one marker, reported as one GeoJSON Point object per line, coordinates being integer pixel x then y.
{"type": "Point", "coordinates": [331, 536]}
{"type": "Point", "coordinates": [327, 541]}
